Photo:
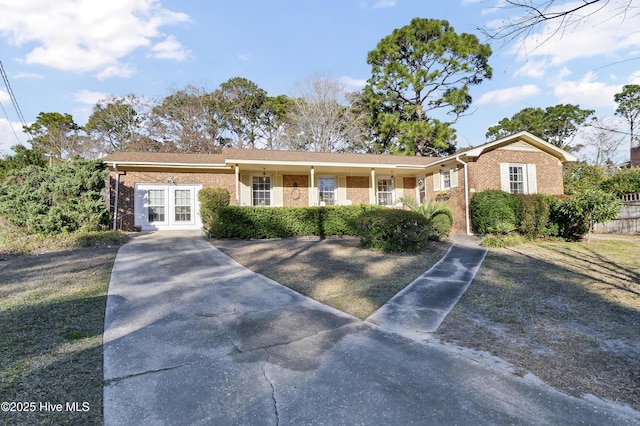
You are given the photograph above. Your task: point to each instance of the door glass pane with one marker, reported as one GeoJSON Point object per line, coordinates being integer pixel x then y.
{"type": "Point", "coordinates": [385, 192]}
{"type": "Point", "coordinates": [327, 190]}
{"type": "Point", "coordinates": [182, 205]}
{"type": "Point", "coordinates": [156, 205]}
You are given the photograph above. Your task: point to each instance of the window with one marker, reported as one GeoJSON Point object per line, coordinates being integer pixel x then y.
{"type": "Point", "coordinates": [445, 176]}
{"type": "Point", "coordinates": [327, 191]}
{"type": "Point", "coordinates": [156, 205]}
{"type": "Point", "coordinates": [261, 190]}
{"type": "Point", "coordinates": [183, 205]}
{"type": "Point", "coordinates": [385, 191]}
{"type": "Point", "coordinates": [516, 179]}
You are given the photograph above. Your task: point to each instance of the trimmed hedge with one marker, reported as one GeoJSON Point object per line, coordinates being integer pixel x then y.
{"type": "Point", "coordinates": [533, 215]}
{"type": "Point", "coordinates": [211, 201]}
{"type": "Point", "coordinates": [393, 230]}
{"type": "Point", "coordinates": [494, 212]}
{"type": "Point", "coordinates": [281, 222]}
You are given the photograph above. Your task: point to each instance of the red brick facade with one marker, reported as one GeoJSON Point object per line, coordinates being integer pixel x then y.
{"type": "Point", "coordinates": [484, 173]}
{"type": "Point", "coordinates": [358, 189]}
{"type": "Point", "coordinates": [295, 190]}
{"type": "Point", "coordinates": [292, 185]}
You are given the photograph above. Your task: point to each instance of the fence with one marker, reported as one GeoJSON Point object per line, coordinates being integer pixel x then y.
{"type": "Point", "coordinates": [627, 222]}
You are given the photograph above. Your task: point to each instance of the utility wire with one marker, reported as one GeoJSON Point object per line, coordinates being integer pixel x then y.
{"type": "Point", "coordinates": [14, 101]}
{"type": "Point", "coordinates": [9, 121]}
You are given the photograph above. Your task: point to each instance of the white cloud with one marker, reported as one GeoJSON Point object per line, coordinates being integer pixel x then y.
{"type": "Point", "coordinates": [84, 35]}
{"type": "Point", "coordinates": [586, 92]}
{"type": "Point", "coordinates": [352, 83]}
{"type": "Point", "coordinates": [602, 30]}
{"type": "Point", "coordinates": [384, 3]}
{"type": "Point", "coordinates": [88, 97]}
{"type": "Point", "coordinates": [119, 70]}
{"type": "Point", "coordinates": [533, 69]}
{"type": "Point", "coordinates": [170, 48]}
{"type": "Point", "coordinates": [11, 134]}
{"type": "Point", "coordinates": [509, 95]}
{"type": "Point", "coordinates": [4, 97]}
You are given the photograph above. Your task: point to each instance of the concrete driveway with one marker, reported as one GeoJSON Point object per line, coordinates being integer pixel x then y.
{"type": "Point", "coordinates": [192, 337]}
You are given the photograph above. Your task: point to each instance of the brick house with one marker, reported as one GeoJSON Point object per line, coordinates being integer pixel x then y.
{"type": "Point", "coordinates": [152, 191]}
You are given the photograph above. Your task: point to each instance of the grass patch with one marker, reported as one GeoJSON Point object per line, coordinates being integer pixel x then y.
{"type": "Point", "coordinates": [51, 322]}
{"type": "Point", "coordinates": [336, 272]}
{"type": "Point", "coordinates": [15, 241]}
{"type": "Point", "coordinates": [567, 312]}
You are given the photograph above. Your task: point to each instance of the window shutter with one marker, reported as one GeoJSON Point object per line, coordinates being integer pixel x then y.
{"type": "Point", "coordinates": [504, 177]}
{"type": "Point", "coordinates": [532, 181]}
{"type": "Point", "coordinates": [454, 177]}
{"type": "Point", "coordinates": [436, 181]}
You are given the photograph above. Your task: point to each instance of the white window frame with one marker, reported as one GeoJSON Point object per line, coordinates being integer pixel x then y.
{"type": "Point", "coordinates": [151, 208]}
{"type": "Point", "coordinates": [334, 192]}
{"type": "Point", "coordinates": [177, 205]}
{"type": "Point", "coordinates": [390, 192]}
{"type": "Point", "coordinates": [529, 178]}
{"type": "Point", "coordinates": [445, 179]}
{"type": "Point", "coordinates": [517, 179]}
{"type": "Point", "coordinates": [254, 190]}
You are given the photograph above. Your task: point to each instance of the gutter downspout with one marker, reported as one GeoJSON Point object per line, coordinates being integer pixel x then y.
{"type": "Point", "coordinates": [466, 195]}
{"type": "Point", "coordinates": [115, 201]}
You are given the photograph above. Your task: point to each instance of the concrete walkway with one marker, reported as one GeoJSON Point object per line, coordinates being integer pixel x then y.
{"type": "Point", "coordinates": [420, 308]}
{"type": "Point", "coordinates": [191, 337]}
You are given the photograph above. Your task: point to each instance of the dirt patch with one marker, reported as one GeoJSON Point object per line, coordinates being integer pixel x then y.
{"type": "Point", "coordinates": [566, 312]}
{"type": "Point", "coordinates": [336, 272]}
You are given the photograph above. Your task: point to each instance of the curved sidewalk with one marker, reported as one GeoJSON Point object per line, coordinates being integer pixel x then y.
{"type": "Point", "coordinates": [192, 337]}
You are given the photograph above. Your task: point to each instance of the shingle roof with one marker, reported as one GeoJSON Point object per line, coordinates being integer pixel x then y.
{"type": "Point", "coordinates": [135, 157]}
{"type": "Point", "coordinates": [230, 156]}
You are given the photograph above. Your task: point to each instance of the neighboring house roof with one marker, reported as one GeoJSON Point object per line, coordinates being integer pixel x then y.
{"type": "Point", "coordinates": [231, 156]}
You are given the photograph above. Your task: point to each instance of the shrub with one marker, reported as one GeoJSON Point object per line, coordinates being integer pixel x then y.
{"type": "Point", "coordinates": [533, 215]}
{"type": "Point", "coordinates": [211, 201]}
{"type": "Point", "coordinates": [393, 230]}
{"type": "Point", "coordinates": [577, 214]}
{"type": "Point", "coordinates": [440, 226]}
{"type": "Point", "coordinates": [494, 211]}
{"type": "Point", "coordinates": [624, 181]}
{"type": "Point", "coordinates": [438, 214]}
{"type": "Point", "coordinates": [63, 198]}
{"type": "Point", "coordinates": [281, 222]}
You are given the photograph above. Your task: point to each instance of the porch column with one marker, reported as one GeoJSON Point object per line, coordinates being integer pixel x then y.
{"type": "Point", "coordinates": [237, 185]}
{"type": "Point", "coordinates": [372, 190]}
{"type": "Point", "coordinates": [312, 195]}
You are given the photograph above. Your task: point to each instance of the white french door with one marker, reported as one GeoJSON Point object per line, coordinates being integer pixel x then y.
{"type": "Point", "coordinates": [167, 206]}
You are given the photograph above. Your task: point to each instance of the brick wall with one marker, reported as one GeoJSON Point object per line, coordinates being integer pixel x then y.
{"type": "Point", "coordinates": [296, 190]}
{"type": "Point", "coordinates": [129, 179]}
{"type": "Point", "coordinates": [635, 156]}
{"type": "Point", "coordinates": [485, 172]}
{"type": "Point", "coordinates": [358, 189]}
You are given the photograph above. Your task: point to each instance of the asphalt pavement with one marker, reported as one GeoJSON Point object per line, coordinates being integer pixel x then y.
{"type": "Point", "coordinates": [192, 337]}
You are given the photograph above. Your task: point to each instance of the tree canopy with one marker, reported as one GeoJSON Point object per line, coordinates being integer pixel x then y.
{"type": "Point", "coordinates": [629, 108]}
{"type": "Point", "coordinates": [556, 124]}
{"type": "Point", "coordinates": [54, 134]}
{"type": "Point", "coordinates": [418, 69]}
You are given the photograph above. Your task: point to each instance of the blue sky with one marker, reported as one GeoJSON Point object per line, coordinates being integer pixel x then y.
{"type": "Point", "coordinates": [66, 55]}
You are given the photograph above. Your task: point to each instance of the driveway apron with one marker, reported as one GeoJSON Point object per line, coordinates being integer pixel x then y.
{"type": "Point", "coordinates": [192, 337]}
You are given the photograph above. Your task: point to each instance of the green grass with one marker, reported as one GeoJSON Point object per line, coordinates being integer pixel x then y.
{"type": "Point", "coordinates": [51, 322]}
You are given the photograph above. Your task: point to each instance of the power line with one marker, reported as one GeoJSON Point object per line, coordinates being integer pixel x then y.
{"type": "Point", "coordinates": [9, 121]}
{"type": "Point", "coordinates": [14, 101]}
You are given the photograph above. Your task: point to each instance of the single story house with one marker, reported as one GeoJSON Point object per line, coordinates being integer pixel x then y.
{"type": "Point", "coordinates": [152, 191]}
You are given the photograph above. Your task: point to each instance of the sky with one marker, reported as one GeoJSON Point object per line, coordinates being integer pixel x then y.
{"type": "Point", "coordinates": [66, 55]}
